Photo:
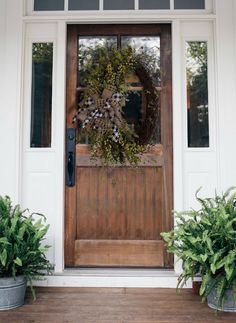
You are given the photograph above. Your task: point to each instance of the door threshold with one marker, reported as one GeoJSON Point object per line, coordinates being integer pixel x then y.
{"type": "Point", "coordinates": [126, 272]}
{"type": "Point", "coordinates": [112, 278]}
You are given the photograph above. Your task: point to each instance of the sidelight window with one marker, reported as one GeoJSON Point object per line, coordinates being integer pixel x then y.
{"type": "Point", "coordinates": [197, 93]}
{"type": "Point", "coordinates": [41, 95]}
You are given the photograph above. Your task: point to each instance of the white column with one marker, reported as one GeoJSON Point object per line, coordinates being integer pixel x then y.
{"type": "Point", "coordinates": [226, 80]}
{"type": "Point", "coordinates": [10, 100]}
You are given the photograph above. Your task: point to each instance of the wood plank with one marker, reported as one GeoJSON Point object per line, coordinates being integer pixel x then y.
{"type": "Point", "coordinates": [114, 305]}
{"type": "Point", "coordinates": [130, 253]}
{"type": "Point", "coordinates": [119, 203]}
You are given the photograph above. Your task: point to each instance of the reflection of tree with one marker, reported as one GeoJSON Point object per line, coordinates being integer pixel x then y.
{"type": "Point", "coordinates": [197, 73]}
{"type": "Point", "coordinates": [142, 103]}
{"type": "Point", "coordinates": [198, 129]}
{"type": "Point", "coordinates": [148, 52]}
{"type": "Point", "coordinates": [42, 54]}
{"type": "Point", "coordinates": [89, 49]}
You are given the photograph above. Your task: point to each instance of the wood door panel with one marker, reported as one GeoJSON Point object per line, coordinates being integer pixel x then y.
{"type": "Point", "coordinates": [130, 253]}
{"type": "Point", "coordinates": [114, 215]}
{"type": "Point", "coordinates": [119, 203]}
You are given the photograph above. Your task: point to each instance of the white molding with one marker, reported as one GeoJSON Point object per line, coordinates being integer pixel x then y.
{"type": "Point", "coordinates": [100, 5]}
{"type": "Point", "coordinates": [217, 126]}
{"type": "Point", "coordinates": [177, 125]}
{"type": "Point", "coordinates": [66, 8]}
{"type": "Point", "coordinates": [119, 17]}
{"type": "Point", "coordinates": [209, 5]}
{"type": "Point", "coordinates": [60, 121]}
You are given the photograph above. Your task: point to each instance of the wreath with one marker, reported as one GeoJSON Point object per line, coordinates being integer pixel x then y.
{"type": "Point", "coordinates": [100, 112]}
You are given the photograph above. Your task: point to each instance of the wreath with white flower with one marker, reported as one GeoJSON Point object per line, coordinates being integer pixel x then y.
{"type": "Point", "coordinates": [100, 112]}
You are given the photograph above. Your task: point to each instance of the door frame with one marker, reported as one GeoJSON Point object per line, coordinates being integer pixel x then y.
{"type": "Point", "coordinates": [166, 122]}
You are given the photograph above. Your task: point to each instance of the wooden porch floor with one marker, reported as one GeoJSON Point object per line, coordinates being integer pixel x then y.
{"type": "Point", "coordinates": [119, 305]}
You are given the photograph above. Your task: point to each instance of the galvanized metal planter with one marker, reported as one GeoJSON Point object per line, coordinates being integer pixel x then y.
{"type": "Point", "coordinates": [12, 292]}
{"type": "Point", "coordinates": [229, 302]}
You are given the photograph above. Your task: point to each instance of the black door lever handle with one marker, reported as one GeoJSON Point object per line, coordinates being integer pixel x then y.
{"type": "Point", "coordinates": [70, 157]}
{"type": "Point", "coordinates": [70, 168]}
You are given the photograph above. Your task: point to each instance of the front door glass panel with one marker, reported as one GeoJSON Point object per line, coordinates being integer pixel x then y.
{"type": "Point", "coordinates": [147, 49]}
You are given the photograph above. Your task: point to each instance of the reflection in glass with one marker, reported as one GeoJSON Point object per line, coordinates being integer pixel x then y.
{"type": "Point", "coordinates": [190, 4]}
{"type": "Point", "coordinates": [154, 4]}
{"type": "Point", "coordinates": [132, 110]}
{"type": "Point", "coordinates": [149, 50]}
{"type": "Point", "coordinates": [87, 49]}
{"type": "Point", "coordinates": [83, 5]}
{"type": "Point", "coordinates": [41, 95]}
{"type": "Point", "coordinates": [197, 94]}
{"type": "Point", "coordinates": [48, 5]}
{"type": "Point", "coordinates": [118, 4]}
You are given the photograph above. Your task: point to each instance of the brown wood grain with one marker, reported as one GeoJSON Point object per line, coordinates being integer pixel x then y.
{"type": "Point", "coordinates": [121, 203]}
{"type": "Point", "coordinates": [130, 253]}
{"type": "Point", "coordinates": [167, 132]}
{"type": "Point", "coordinates": [114, 305]}
{"type": "Point", "coordinates": [70, 192]}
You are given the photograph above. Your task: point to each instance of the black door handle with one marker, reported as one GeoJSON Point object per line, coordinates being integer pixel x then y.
{"type": "Point", "coordinates": [70, 157]}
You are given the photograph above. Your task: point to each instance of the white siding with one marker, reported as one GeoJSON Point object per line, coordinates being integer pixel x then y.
{"type": "Point", "coordinates": [10, 103]}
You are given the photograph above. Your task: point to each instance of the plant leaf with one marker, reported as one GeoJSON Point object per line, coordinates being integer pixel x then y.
{"type": "Point", "coordinates": [18, 261]}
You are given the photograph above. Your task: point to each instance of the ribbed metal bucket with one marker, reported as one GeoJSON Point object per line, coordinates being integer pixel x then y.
{"type": "Point", "coordinates": [229, 302]}
{"type": "Point", "coordinates": [12, 292]}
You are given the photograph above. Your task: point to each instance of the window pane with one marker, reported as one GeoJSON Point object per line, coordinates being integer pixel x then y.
{"type": "Point", "coordinates": [41, 95]}
{"type": "Point", "coordinates": [154, 4]}
{"type": "Point", "coordinates": [87, 48]}
{"type": "Point", "coordinates": [83, 4]}
{"type": "Point", "coordinates": [45, 5]}
{"type": "Point", "coordinates": [148, 48]}
{"type": "Point", "coordinates": [118, 4]}
{"type": "Point", "coordinates": [197, 94]}
{"type": "Point", "coordinates": [189, 4]}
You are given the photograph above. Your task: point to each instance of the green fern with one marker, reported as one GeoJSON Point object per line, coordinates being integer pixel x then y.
{"type": "Point", "coordinates": [21, 236]}
{"type": "Point", "coordinates": [205, 241]}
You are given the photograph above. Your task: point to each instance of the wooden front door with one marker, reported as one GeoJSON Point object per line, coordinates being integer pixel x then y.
{"type": "Point", "coordinates": [114, 215]}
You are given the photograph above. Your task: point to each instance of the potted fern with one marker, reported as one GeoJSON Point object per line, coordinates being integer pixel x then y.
{"type": "Point", "coordinates": [22, 257]}
{"type": "Point", "coordinates": [205, 241]}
